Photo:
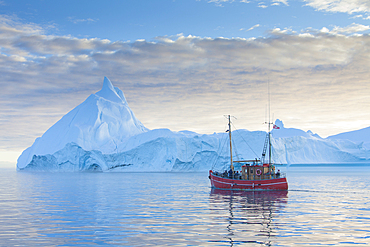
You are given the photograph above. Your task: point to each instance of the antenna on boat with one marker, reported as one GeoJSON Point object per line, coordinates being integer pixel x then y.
{"type": "Point", "coordinates": [269, 123]}
{"type": "Point", "coordinates": [269, 126]}
{"type": "Point", "coordinates": [268, 136]}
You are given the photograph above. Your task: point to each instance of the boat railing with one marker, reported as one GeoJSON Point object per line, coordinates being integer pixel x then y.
{"type": "Point", "coordinates": [239, 176]}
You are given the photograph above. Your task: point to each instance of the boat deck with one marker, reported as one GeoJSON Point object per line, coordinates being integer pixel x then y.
{"type": "Point", "coordinates": [261, 183]}
{"type": "Point", "coordinates": [239, 176]}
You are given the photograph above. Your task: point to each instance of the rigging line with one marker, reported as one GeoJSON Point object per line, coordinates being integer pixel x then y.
{"type": "Point", "coordinates": [235, 151]}
{"type": "Point", "coordinates": [246, 142]}
{"type": "Point", "coordinates": [220, 148]}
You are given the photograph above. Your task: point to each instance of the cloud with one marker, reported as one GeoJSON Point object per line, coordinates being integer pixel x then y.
{"type": "Point", "coordinates": [278, 2]}
{"type": "Point", "coordinates": [278, 31]}
{"type": "Point", "coordinates": [250, 29]}
{"type": "Point", "coordinates": [12, 25]}
{"type": "Point", "coordinates": [262, 5]}
{"type": "Point", "coordinates": [343, 6]}
{"type": "Point", "coordinates": [274, 2]}
{"type": "Point", "coordinates": [219, 2]}
{"type": "Point", "coordinates": [76, 21]}
{"type": "Point", "coordinates": [351, 29]}
{"type": "Point", "coordinates": [318, 79]}
{"type": "Point", "coordinates": [361, 16]}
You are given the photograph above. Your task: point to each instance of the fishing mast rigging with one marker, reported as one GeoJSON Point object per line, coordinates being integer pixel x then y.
{"type": "Point", "coordinates": [231, 146]}
{"type": "Point", "coordinates": [268, 136]}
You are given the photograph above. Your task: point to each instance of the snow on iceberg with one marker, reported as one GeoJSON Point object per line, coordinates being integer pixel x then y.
{"type": "Point", "coordinates": [102, 122]}
{"type": "Point", "coordinates": [281, 131]}
{"type": "Point", "coordinates": [103, 134]}
{"type": "Point", "coordinates": [361, 136]}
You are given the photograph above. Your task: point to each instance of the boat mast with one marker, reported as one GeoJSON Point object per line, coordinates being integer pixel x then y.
{"type": "Point", "coordinates": [270, 148]}
{"type": "Point", "coordinates": [269, 130]}
{"type": "Point", "coordinates": [231, 147]}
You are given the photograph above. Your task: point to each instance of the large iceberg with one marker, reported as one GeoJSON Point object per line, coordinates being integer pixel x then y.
{"type": "Point", "coordinates": [102, 122]}
{"type": "Point", "coordinates": [103, 134]}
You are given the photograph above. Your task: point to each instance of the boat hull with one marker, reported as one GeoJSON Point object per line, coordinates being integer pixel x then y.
{"type": "Point", "coordinates": [239, 184]}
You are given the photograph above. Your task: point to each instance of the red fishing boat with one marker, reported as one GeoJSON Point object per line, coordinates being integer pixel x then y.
{"type": "Point", "coordinates": [254, 174]}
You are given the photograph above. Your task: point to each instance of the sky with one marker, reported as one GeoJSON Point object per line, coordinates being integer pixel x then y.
{"type": "Point", "coordinates": [184, 64]}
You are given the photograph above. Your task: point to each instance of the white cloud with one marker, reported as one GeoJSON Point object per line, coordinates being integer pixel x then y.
{"type": "Point", "coordinates": [262, 5]}
{"type": "Point", "coordinates": [11, 25]}
{"type": "Point", "coordinates": [250, 29]}
{"type": "Point", "coordinates": [357, 16]}
{"type": "Point", "coordinates": [354, 28]}
{"type": "Point", "coordinates": [344, 6]}
{"type": "Point", "coordinates": [278, 2]}
{"type": "Point", "coordinates": [324, 75]}
{"type": "Point", "coordinates": [76, 21]}
{"type": "Point", "coordinates": [277, 31]}
{"type": "Point", "coordinates": [325, 30]}
{"type": "Point", "coordinates": [219, 2]}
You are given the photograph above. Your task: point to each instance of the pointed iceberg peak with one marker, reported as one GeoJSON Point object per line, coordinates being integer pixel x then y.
{"type": "Point", "coordinates": [107, 84]}
{"type": "Point", "coordinates": [109, 92]}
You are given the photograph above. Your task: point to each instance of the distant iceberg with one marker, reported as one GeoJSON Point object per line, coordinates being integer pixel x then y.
{"type": "Point", "coordinates": [103, 134]}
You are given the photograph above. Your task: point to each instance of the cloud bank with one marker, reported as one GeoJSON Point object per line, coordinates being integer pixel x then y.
{"type": "Point", "coordinates": [318, 79]}
{"type": "Point", "coordinates": [343, 6]}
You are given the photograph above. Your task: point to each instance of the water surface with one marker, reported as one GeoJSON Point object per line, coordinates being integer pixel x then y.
{"type": "Point", "coordinates": [325, 205]}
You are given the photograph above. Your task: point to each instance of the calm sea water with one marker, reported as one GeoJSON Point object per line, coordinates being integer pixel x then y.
{"type": "Point", "coordinates": [325, 205]}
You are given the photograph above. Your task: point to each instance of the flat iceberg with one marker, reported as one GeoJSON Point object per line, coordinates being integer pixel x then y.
{"type": "Point", "coordinates": [103, 134]}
